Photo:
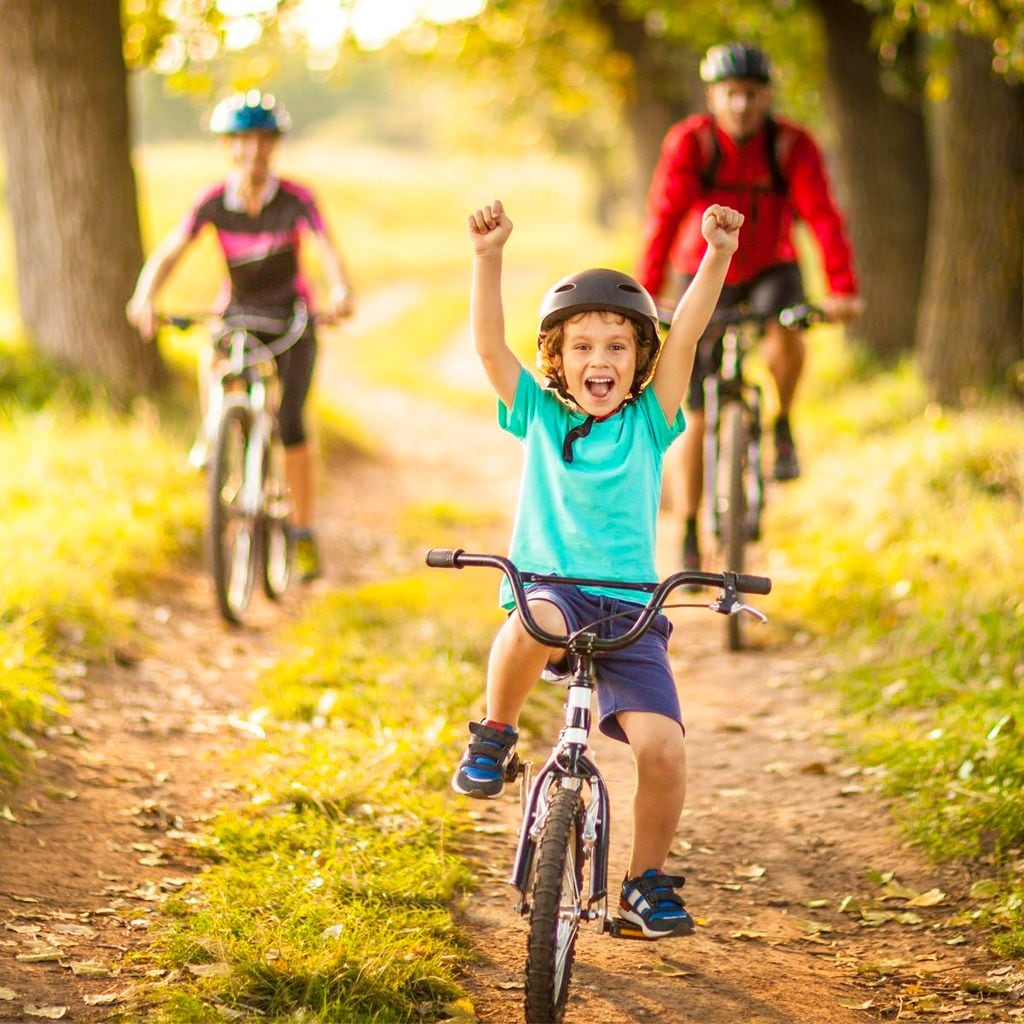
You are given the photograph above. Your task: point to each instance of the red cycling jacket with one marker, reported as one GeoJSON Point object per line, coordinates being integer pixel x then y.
{"type": "Point", "coordinates": [743, 180]}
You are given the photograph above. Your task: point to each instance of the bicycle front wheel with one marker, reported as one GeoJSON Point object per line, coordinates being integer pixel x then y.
{"type": "Point", "coordinates": [556, 909]}
{"type": "Point", "coordinates": [275, 543]}
{"type": "Point", "coordinates": [732, 501]}
{"type": "Point", "coordinates": [232, 530]}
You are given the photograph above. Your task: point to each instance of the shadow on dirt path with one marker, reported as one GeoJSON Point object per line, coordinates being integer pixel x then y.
{"type": "Point", "coordinates": [778, 831]}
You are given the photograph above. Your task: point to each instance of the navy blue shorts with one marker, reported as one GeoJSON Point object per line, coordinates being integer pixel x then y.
{"type": "Point", "coordinates": [637, 678]}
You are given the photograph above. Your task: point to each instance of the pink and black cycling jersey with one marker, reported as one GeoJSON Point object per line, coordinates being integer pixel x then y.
{"type": "Point", "coordinates": [262, 251]}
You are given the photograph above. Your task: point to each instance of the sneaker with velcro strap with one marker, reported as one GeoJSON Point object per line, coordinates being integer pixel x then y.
{"type": "Point", "coordinates": [650, 901]}
{"type": "Point", "coordinates": [487, 762]}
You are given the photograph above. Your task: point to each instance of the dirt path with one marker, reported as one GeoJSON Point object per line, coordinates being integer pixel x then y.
{"type": "Point", "coordinates": [774, 821]}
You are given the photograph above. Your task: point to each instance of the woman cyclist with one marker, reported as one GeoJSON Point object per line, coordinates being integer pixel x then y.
{"type": "Point", "coordinates": [259, 219]}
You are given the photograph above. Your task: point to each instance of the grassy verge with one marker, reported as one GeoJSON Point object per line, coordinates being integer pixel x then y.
{"type": "Point", "coordinates": [92, 504]}
{"type": "Point", "coordinates": [328, 894]}
{"type": "Point", "coordinates": [903, 551]}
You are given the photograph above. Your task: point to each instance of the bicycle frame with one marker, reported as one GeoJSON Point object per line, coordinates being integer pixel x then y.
{"type": "Point", "coordinates": [570, 762]}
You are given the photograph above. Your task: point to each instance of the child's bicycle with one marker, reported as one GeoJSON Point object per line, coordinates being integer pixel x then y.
{"type": "Point", "coordinates": [734, 491]}
{"type": "Point", "coordinates": [249, 506]}
{"type": "Point", "coordinates": [561, 863]}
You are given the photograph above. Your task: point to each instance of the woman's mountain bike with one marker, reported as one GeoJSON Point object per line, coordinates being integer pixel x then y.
{"type": "Point", "coordinates": [734, 489]}
{"type": "Point", "coordinates": [561, 864]}
{"type": "Point", "coordinates": [249, 506]}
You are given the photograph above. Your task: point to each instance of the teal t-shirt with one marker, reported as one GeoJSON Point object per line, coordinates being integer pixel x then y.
{"type": "Point", "coordinates": [596, 516]}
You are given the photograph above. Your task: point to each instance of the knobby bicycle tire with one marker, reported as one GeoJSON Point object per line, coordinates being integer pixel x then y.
{"type": "Point", "coordinates": [555, 909]}
{"type": "Point", "coordinates": [274, 542]}
{"type": "Point", "coordinates": [232, 540]}
{"type": "Point", "coordinates": [734, 499]}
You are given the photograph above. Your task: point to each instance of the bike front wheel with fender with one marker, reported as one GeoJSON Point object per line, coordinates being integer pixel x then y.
{"type": "Point", "coordinates": [232, 529]}
{"type": "Point", "coordinates": [556, 909]}
{"type": "Point", "coordinates": [275, 542]}
{"type": "Point", "coordinates": [731, 497]}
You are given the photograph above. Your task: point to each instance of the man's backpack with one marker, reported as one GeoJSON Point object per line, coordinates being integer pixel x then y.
{"type": "Point", "coordinates": [774, 141]}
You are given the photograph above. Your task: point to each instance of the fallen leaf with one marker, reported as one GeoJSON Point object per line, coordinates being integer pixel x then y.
{"type": "Point", "coordinates": [7, 814]}
{"type": "Point", "coordinates": [670, 971]}
{"type": "Point", "coordinates": [984, 889]}
{"type": "Point", "coordinates": [219, 970]}
{"type": "Point", "coordinates": [931, 898]}
{"type": "Point", "coordinates": [814, 904]}
{"type": "Point", "coordinates": [89, 968]}
{"type": "Point", "coordinates": [857, 1006]}
{"type": "Point", "coordinates": [7, 993]}
{"type": "Point", "coordinates": [753, 936]}
{"type": "Point", "coordinates": [41, 956]}
{"type": "Point", "coordinates": [103, 999]}
{"type": "Point", "coordinates": [49, 1012]}
{"type": "Point", "coordinates": [508, 986]}
{"type": "Point", "coordinates": [749, 871]}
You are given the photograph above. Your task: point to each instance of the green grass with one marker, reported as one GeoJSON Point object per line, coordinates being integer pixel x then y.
{"type": "Point", "coordinates": [93, 506]}
{"type": "Point", "coordinates": [329, 893]}
{"type": "Point", "coordinates": [902, 551]}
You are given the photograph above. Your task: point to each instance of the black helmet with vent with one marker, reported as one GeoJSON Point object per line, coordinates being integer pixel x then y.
{"type": "Point", "coordinates": [735, 60]}
{"type": "Point", "coordinates": [600, 289]}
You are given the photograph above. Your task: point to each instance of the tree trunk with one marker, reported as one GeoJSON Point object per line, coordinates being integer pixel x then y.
{"type": "Point", "coordinates": [71, 187]}
{"type": "Point", "coordinates": [664, 73]}
{"type": "Point", "coordinates": [883, 157]}
{"type": "Point", "coordinates": [971, 332]}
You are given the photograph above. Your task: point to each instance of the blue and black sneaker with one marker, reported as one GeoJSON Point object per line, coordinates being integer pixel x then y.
{"type": "Point", "coordinates": [489, 755]}
{"type": "Point", "coordinates": [651, 903]}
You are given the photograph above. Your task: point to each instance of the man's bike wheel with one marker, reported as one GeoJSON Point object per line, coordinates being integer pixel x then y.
{"type": "Point", "coordinates": [732, 500]}
{"type": "Point", "coordinates": [275, 543]}
{"type": "Point", "coordinates": [556, 907]}
{"type": "Point", "coordinates": [232, 533]}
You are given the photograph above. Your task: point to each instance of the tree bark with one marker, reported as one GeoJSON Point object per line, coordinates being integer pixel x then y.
{"type": "Point", "coordinates": [971, 332]}
{"type": "Point", "coordinates": [883, 172]}
{"type": "Point", "coordinates": [71, 186]}
{"type": "Point", "coordinates": [664, 76]}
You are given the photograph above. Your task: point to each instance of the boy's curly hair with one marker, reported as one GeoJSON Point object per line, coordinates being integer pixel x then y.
{"type": "Point", "coordinates": [549, 351]}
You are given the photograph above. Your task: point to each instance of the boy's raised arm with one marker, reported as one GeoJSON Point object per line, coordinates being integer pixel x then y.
{"type": "Point", "coordinates": [489, 229]}
{"type": "Point", "coordinates": [720, 227]}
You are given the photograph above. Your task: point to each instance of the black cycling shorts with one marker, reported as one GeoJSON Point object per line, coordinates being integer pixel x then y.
{"type": "Point", "coordinates": [765, 295]}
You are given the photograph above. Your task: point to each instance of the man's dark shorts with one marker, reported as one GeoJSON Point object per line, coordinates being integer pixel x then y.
{"type": "Point", "coordinates": [637, 678]}
{"type": "Point", "coordinates": [771, 291]}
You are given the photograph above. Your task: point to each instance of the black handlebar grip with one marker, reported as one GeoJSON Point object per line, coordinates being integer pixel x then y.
{"type": "Point", "coordinates": [443, 558]}
{"type": "Point", "coordinates": [753, 584]}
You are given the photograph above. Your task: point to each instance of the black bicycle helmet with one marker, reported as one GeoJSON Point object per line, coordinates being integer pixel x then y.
{"type": "Point", "coordinates": [600, 289]}
{"type": "Point", "coordinates": [735, 60]}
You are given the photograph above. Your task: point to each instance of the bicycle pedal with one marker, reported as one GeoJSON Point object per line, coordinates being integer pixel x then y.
{"type": "Point", "coordinates": [515, 768]}
{"type": "Point", "coordinates": [621, 929]}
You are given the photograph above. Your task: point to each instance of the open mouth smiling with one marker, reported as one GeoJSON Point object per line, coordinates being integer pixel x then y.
{"type": "Point", "coordinates": [599, 387]}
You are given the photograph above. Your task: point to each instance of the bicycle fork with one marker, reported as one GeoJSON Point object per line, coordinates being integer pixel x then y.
{"type": "Point", "coordinates": [569, 766]}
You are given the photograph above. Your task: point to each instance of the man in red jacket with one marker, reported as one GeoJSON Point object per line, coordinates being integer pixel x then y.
{"type": "Point", "coordinates": [772, 171]}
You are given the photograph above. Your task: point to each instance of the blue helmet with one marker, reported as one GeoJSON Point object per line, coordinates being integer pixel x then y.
{"type": "Point", "coordinates": [251, 111]}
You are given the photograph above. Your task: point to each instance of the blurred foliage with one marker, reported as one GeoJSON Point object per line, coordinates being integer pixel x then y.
{"type": "Point", "coordinates": [999, 21]}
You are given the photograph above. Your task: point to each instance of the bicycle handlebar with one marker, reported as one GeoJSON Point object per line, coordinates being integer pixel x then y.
{"type": "Point", "coordinates": [730, 583]}
{"type": "Point", "coordinates": [288, 330]}
{"type": "Point", "coordinates": [792, 318]}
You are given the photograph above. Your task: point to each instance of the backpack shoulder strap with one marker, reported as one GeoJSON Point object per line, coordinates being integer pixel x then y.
{"type": "Point", "coordinates": [711, 151]}
{"type": "Point", "coordinates": [776, 139]}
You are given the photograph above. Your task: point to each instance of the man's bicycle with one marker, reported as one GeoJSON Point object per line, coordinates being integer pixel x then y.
{"type": "Point", "coordinates": [249, 507]}
{"type": "Point", "coordinates": [734, 486]}
{"type": "Point", "coordinates": [561, 864]}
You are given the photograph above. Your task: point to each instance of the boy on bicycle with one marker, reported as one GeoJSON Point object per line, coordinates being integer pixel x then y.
{"type": "Point", "coordinates": [588, 507]}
